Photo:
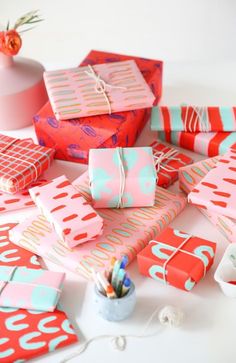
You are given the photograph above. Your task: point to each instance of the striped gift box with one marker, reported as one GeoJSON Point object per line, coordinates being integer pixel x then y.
{"type": "Point", "coordinates": [21, 163]}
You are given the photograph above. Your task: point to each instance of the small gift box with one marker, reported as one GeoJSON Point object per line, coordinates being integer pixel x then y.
{"type": "Point", "coordinates": [216, 191]}
{"type": "Point", "coordinates": [97, 89]}
{"type": "Point", "coordinates": [73, 218]}
{"type": "Point", "coordinates": [177, 258]}
{"type": "Point", "coordinates": [193, 118]}
{"type": "Point", "coordinates": [27, 288]}
{"type": "Point", "coordinates": [72, 140]}
{"type": "Point", "coordinates": [122, 177]}
{"type": "Point", "coordinates": [126, 232]}
{"type": "Point", "coordinates": [21, 163]}
{"type": "Point", "coordinates": [168, 160]}
{"type": "Point", "coordinates": [205, 143]}
{"type": "Point", "coordinates": [19, 200]}
{"type": "Point", "coordinates": [189, 177]}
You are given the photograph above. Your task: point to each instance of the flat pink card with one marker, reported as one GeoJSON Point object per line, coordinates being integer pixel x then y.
{"type": "Point", "coordinates": [217, 190]}
{"type": "Point", "coordinates": [97, 89]}
{"type": "Point", "coordinates": [74, 220]}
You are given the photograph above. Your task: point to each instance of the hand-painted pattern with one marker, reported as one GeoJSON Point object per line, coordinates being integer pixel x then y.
{"type": "Point", "coordinates": [26, 334]}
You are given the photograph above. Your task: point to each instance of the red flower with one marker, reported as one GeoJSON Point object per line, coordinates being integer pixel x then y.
{"type": "Point", "coordinates": [10, 42]}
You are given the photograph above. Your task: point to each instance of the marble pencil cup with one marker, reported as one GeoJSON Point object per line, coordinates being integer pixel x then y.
{"type": "Point", "coordinates": [115, 309]}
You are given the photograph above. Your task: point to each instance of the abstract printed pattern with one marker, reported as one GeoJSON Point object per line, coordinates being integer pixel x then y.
{"type": "Point", "coordinates": [216, 191]}
{"type": "Point", "coordinates": [26, 334]}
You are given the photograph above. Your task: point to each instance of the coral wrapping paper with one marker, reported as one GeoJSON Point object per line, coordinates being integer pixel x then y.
{"type": "Point", "coordinates": [25, 334]}
{"type": "Point", "coordinates": [217, 190]}
{"type": "Point", "coordinates": [183, 270]}
{"type": "Point", "coordinates": [74, 220]}
{"type": "Point", "coordinates": [193, 119]}
{"type": "Point", "coordinates": [73, 139]}
{"type": "Point", "coordinates": [19, 200]}
{"type": "Point", "coordinates": [106, 178]}
{"type": "Point", "coordinates": [205, 143]}
{"type": "Point", "coordinates": [75, 92]}
{"type": "Point", "coordinates": [169, 174]}
{"type": "Point", "coordinates": [26, 288]}
{"type": "Point", "coordinates": [21, 163]}
{"type": "Point", "coordinates": [126, 232]}
{"type": "Point", "coordinates": [189, 177]}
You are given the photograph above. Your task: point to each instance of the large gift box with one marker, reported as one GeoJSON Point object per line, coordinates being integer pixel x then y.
{"type": "Point", "coordinates": [205, 143]}
{"type": "Point", "coordinates": [74, 220]}
{"type": "Point", "coordinates": [21, 163]}
{"type": "Point", "coordinates": [193, 118]}
{"type": "Point", "coordinates": [189, 177]}
{"type": "Point", "coordinates": [126, 232]}
{"type": "Point", "coordinates": [25, 333]}
{"type": "Point", "coordinates": [73, 139]}
{"type": "Point", "coordinates": [98, 89]}
{"type": "Point", "coordinates": [177, 258]}
{"type": "Point", "coordinates": [168, 160]}
{"type": "Point", "coordinates": [27, 288]}
{"type": "Point", "coordinates": [217, 190]}
{"type": "Point", "coordinates": [122, 177]}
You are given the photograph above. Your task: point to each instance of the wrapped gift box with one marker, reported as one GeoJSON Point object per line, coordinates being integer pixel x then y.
{"type": "Point", "coordinates": [73, 139]}
{"type": "Point", "coordinates": [189, 177]}
{"type": "Point", "coordinates": [27, 288]}
{"type": "Point", "coordinates": [217, 190]}
{"type": "Point", "coordinates": [22, 163]}
{"type": "Point", "coordinates": [27, 334]}
{"type": "Point", "coordinates": [177, 258]}
{"type": "Point", "coordinates": [19, 200]}
{"type": "Point", "coordinates": [168, 160]}
{"type": "Point", "coordinates": [205, 143]}
{"type": "Point", "coordinates": [72, 217]}
{"type": "Point", "coordinates": [122, 177]}
{"type": "Point", "coordinates": [193, 118]}
{"type": "Point", "coordinates": [98, 89]}
{"type": "Point", "coordinates": [126, 232]}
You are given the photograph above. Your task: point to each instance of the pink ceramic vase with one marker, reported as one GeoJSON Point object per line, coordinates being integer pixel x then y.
{"type": "Point", "coordinates": [22, 91]}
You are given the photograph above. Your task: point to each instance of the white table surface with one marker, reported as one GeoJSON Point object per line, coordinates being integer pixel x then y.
{"type": "Point", "coordinates": [208, 332]}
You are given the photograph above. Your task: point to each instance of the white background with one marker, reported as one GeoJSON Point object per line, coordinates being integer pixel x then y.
{"type": "Point", "coordinates": [196, 39]}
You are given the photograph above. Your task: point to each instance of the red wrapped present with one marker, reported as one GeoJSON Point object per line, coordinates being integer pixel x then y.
{"type": "Point", "coordinates": [168, 160]}
{"type": "Point", "coordinates": [26, 334]}
{"type": "Point", "coordinates": [205, 143]}
{"type": "Point", "coordinates": [72, 139]}
{"type": "Point", "coordinates": [21, 163]}
{"type": "Point", "coordinates": [177, 258]}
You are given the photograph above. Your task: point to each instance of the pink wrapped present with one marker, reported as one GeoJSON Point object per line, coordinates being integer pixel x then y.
{"type": "Point", "coordinates": [72, 217]}
{"type": "Point", "coordinates": [216, 191]}
{"type": "Point", "coordinates": [122, 177]}
{"type": "Point", "coordinates": [97, 89]}
{"type": "Point", "coordinates": [19, 200]}
{"type": "Point", "coordinates": [126, 232]}
{"type": "Point", "coordinates": [189, 177]}
{"type": "Point", "coordinates": [27, 288]}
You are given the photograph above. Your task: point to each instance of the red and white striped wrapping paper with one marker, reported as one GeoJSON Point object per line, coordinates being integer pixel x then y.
{"type": "Point", "coordinates": [21, 163]}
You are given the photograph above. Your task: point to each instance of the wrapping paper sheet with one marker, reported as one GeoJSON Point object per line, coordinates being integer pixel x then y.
{"type": "Point", "coordinates": [126, 232]}
{"type": "Point", "coordinates": [193, 118]}
{"type": "Point", "coordinates": [98, 89]}
{"type": "Point", "coordinates": [21, 163]}
{"type": "Point", "coordinates": [73, 139]}
{"type": "Point", "coordinates": [106, 177]}
{"type": "Point", "coordinates": [217, 190]}
{"type": "Point", "coordinates": [73, 218]}
{"type": "Point", "coordinates": [186, 267]}
{"type": "Point", "coordinates": [25, 334]}
{"type": "Point", "coordinates": [205, 143]}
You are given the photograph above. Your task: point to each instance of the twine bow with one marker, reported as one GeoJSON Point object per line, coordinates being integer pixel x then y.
{"type": "Point", "coordinates": [201, 119]}
{"type": "Point", "coordinates": [161, 158]}
{"type": "Point", "coordinates": [101, 86]}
